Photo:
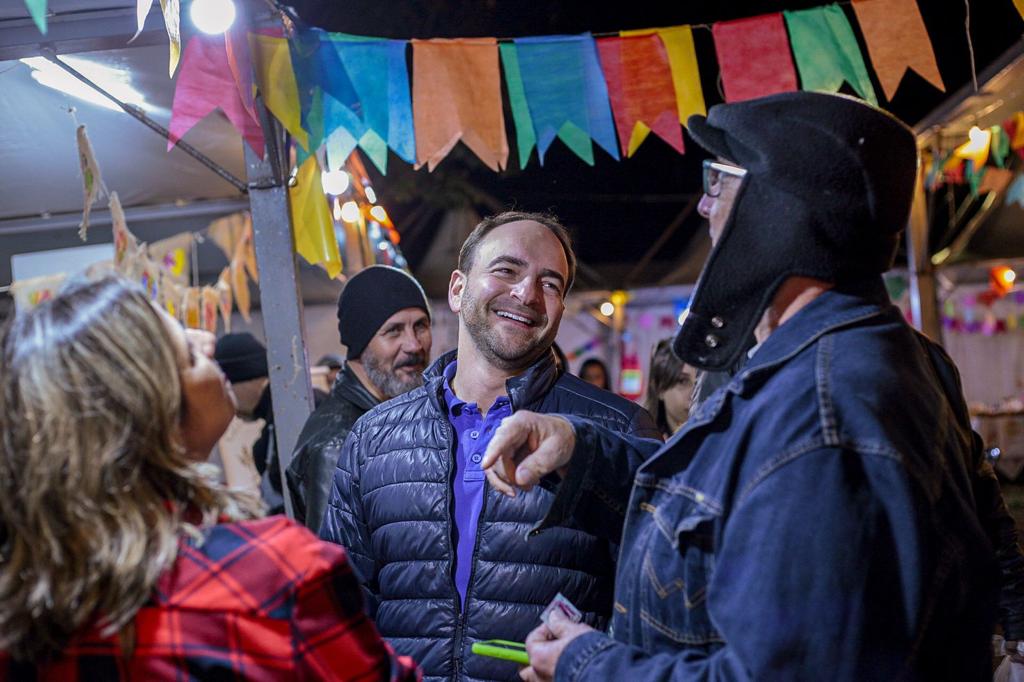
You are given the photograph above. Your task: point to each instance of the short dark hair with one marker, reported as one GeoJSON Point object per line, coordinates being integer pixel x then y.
{"type": "Point", "coordinates": [468, 251]}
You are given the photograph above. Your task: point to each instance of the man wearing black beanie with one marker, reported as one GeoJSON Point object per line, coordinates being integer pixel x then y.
{"type": "Point", "coordinates": [818, 516]}
{"type": "Point", "coordinates": [384, 321]}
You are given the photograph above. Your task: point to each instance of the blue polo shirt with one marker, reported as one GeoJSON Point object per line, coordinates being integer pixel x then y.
{"type": "Point", "coordinates": [473, 431]}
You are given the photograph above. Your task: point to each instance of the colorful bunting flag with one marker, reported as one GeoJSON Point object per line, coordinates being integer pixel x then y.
{"type": "Point", "coordinates": [236, 47]}
{"type": "Point", "coordinates": [28, 293]}
{"type": "Point", "coordinates": [205, 84]}
{"type": "Point", "coordinates": [209, 303]}
{"type": "Point", "coordinates": [1000, 146]}
{"type": "Point", "coordinates": [319, 75]}
{"type": "Point", "coordinates": [92, 181]}
{"type": "Point", "coordinates": [312, 224]}
{"type": "Point", "coordinates": [37, 8]}
{"type": "Point", "coordinates": [995, 180]}
{"type": "Point", "coordinates": [897, 40]}
{"type": "Point", "coordinates": [682, 57]}
{"type": "Point", "coordinates": [641, 90]}
{"type": "Point", "coordinates": [173, 255]}
{"type": "Point", "coordinates": [1019, 4]}
{"type": "Point", "coordinates": [457, 95]}
{"type": "Point", "coordinates": [381, 80]}
{"type": "Point", "coordinates": [223, 288]}
{"type": "Point", "coordinates": [564, 94]}
{"type": "Point", "coordinates": [1015, 193]}
{"type": "Point", "coordinates": [272, 60]}
{"type": "Point", "coordinates": [525, 138]}
{"type": "Point", "coordinates": [753, 57]}
{"type": "Point", "coordinates": [125, 244]}
{"type": "Point", "coordinates": [142, 8]}
{"type": "Point", "coordinates": [826, 51]}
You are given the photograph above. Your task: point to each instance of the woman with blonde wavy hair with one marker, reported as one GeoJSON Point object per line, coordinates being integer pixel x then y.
{"type": "Point", "coordinates": [121, 557]}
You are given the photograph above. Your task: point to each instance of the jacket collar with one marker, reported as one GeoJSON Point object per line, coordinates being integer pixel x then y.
{"type": "Point", "coordinates": [524, 390]}
{"type": "Point", "coordinates": [348, 387]}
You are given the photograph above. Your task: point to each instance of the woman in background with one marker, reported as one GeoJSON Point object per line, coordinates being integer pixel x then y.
{"type": "Point", "coordinates": [593, 371]}
{"type": "Point", "coordinates": [120, 556]}
{"type": "Point", "coordinates": [669, 388]}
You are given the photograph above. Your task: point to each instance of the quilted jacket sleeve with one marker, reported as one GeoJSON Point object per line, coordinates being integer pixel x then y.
{"type": "Point", "coordinates": [344, 522]}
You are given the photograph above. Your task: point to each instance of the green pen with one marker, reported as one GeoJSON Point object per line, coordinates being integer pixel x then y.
{"type": "Point", "coordinates": [503, 649]}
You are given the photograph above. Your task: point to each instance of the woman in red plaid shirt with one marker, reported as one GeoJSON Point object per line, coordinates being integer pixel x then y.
{"type": "Point", "coordinates": [120, 556]}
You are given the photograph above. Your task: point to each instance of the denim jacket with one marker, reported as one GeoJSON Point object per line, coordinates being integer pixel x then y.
{"type": "Point", "coordinates": [814, 520]}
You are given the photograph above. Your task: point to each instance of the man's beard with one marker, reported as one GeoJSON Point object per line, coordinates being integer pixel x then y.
{"type": "Point", "coordinates": [489, 341]}
{"type": "Point", "coordinates": [388, 381]}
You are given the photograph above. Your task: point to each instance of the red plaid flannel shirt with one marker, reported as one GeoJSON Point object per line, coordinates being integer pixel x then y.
{"type": "Point", "coordinates": [257, 600]}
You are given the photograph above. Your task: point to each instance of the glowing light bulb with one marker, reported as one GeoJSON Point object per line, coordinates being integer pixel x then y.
{"type": "Point", "coordinates": [379, 214]}
{"type": "Point", "coordinates": [212, 16]}
{"type": "Point", "coordinates": [337, 209]}
{"type": "Point", "coordinates": [1009, 276]}
{"type": "Point", "coordinates": [334, 182]}
{"type": "Point", "coordinates": [350, 211]}
{"type": "Point", "coordinates": [607, 308]}
{"type": "Point", "coordinates": [371, 196]}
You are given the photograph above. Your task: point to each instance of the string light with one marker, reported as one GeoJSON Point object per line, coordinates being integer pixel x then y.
{"type": "Point", "coordinates": [212, 16]}
{"type": "Point", "coordinates": [334, 182]}
{"type": "Point", "coordinates": [371, 196]}
{"type": "Point", "coordinates": [379, 214]}
{"type": "Point", "coordinates": [607, 309]}
{"type": "Point", "coordinates": [350, 211]}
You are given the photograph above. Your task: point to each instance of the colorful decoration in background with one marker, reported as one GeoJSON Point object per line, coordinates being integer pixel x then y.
{"type": "Point", "coordinates": [171, 9]}
{"type": "Point", "coordinates": [92, 180]}
{"type": "Point", "coordinates": [28, 293]}
{"type": "Point", "coordinates": [754, 57]}
{"type": "Point", "coordinates": [456, 94]}
{"type": "Point", "coordinates": [341, 91]}
{"type": "Point", "coordinates": [174, 256]}
{"type": "Point", "coordinates": [631, 377]}
{"type": "Point", "coordinates": [37, 8]}
{"type": "Point", "coordinates": [312, 226]}
{"type": "Point", "coordinates": [981, 161]}
{"type": "Point", "coordinates": [589, 346]}
{"type": "Point", "coordinates": [995, 310]}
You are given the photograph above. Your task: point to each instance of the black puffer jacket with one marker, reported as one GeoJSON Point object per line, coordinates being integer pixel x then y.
{"type": "Point", "coordinates": [391, 506]}
{"type": "Point", "coordinates": [311, 470]}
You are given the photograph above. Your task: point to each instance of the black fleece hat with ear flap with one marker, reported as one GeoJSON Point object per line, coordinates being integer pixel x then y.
{"type": "Point", "coordinates": [827, 192]}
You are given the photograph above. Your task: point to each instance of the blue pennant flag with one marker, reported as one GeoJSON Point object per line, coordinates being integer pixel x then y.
{"type": "Point", "coordinates": [380, 80]}
{"type": "Point", "coordinates": [1015, 194]}
{"type": "Point", "coordinates": [566, 94]}
{"type": "Point", "coordinates": [320, 76]}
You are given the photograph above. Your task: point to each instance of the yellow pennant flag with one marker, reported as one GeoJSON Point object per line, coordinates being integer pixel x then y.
{"type": "Point", "coordinates": [273, 63]}
{"type": "Point", "coordinates": [682, 59]}
{"type": "Point", "coordinates": [1019, 4]}
{"type": "Point", "coordinates": [172, 13]}
{"type": "Point", "coordinates": [312, 225]}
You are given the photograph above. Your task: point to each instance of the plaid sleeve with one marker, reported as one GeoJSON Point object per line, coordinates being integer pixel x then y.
{"type": "Point", "coordinates": [334, 638]}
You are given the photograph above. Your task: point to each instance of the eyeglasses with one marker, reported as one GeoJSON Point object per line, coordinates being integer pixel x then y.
{"type": "Point", "coordinates": [713, 172]}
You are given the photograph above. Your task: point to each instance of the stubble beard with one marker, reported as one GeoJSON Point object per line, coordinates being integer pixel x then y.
{"type": "Point", "coordinates": [498, 352]}
{"type": "Point", "coordinates": [389, 382]}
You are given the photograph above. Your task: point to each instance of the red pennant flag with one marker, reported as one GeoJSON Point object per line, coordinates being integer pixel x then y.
{"type": "Point", "coordinates": [753, 57]}
{"type": "Point", "coordinates": [205, 83]}
{"type": "Point", "coordinates": [641, 90]}
{"type": "Point", "coordinates": [236, 44]}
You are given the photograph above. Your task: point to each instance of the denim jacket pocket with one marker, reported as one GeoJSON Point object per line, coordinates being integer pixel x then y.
{"type": "Point", "coordinates": [676, 569]}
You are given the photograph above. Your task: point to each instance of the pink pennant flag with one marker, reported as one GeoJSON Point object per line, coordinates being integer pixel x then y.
{"type": "Point", "coordinates": [754, 57]}
{"type": "Point", "coordinates": [205, 83]}
{"type": "Point", "coordinates": [641, 90]}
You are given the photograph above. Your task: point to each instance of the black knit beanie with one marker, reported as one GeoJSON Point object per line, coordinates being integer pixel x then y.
{"type": "Point", "coordinates": [369, 299]}
{"type": "Point", "coordinates": [826, 195]}
{"type": "Point", "coordinates": [241, 357]}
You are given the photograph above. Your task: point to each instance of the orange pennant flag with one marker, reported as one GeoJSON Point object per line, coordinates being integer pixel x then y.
{"type": "Point", "coordinates": [995, 180]}
{"type": "Point", "coordinates": [897, 40]}
{"type": "Point", "coordinates": [456, 94]}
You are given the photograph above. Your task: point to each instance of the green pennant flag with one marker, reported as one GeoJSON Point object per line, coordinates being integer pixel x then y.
{"type": "Point", "coordinates": [826, 51]}
{"type": "Point", "coordinates": [525, 137]}
{"type": "Point", "coordinates": [37, 8]}
{"type": "Point", "coordinates": [999, 148]}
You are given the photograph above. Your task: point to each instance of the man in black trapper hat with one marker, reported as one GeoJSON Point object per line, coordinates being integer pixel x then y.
{"type": "Point", "coordinates": [817, 517]}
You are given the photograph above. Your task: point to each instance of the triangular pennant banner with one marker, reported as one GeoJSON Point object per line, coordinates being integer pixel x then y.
{"type": "Point", "coordinates": [682, 57]}
{"type": "Point", "coordinates": [641, 90]}
{"type": "Point", "coordinates": [142, 8]}
{"type": "Point", "coordinates": [897, 40]}
{"type": "Point", "coordinates": [319, 74]}
{"type": "Point", "coordinates": [1015, 193]}
{"type": "Point", "coordinates": [236, 46]}
{"type": "Point", "coordinates": [457, 95]}
{"type": "Point", "coordinates": [525, 138]}
{"type": "Point", "coordinates": [205, 84]}
{"type": "Point", "coordinates": [37, 8]}
{"type": "Point", "coordinates": [995, 180]}
{"type": "Point", "coordinates": [566, 94]}
{"type": "Point", "coordinates": [1000, 147]}
{"type": "Point", "coordinates": [92, 181]}
{"type": "Point", "coordinates": [171, 10]}
{"type": "Point", "coordinates": [272, 60]}
{"type": "Point", "coordinates": [826, 51]}
{"type": "Point", "coordinates": [753, 56]}
{"type": "Point", "coordinates": [312, 225]}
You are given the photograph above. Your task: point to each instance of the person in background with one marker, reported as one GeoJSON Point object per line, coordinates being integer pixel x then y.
{"type": "Point", "coordinates": [333, 362]}
{"type": "Point", "coordinates": [384, 321]}
{"type": "Point", "coordinates": [446, 561]}
{"type": "Point", "coordinates": [595, 373]}
{"type": "Point", "coordinates": [670, 385]}
{"type": "Point", "coordinates": [122, 557]}
{"type": "Point", "coordinates": [243, 359]}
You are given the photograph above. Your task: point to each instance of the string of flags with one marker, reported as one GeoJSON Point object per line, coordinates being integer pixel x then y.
{"type": "Point", "coordinates": [342, 91]}
{"type": "Point", "coordinates": [982, 161]}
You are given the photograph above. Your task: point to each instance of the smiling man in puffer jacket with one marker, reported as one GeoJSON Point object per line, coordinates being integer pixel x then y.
{"type": "Point", "coordinates": [445, 560]}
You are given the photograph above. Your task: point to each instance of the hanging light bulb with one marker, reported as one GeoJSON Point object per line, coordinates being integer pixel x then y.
{"type": "Point", "coordinates": [350, 211]}
{"type": "Point", "coordinates": [212, 16]}
{"type": "Point", "coordinates": [607, 308]}
{"type": "Point", "coordinates": [334, 182]}
{"type": "Point", "coordinates": [371, 196]}
{"type": "Point", "coordinates": [379, 214]}
{"type": "Point", "coordinates": [337, 209]}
